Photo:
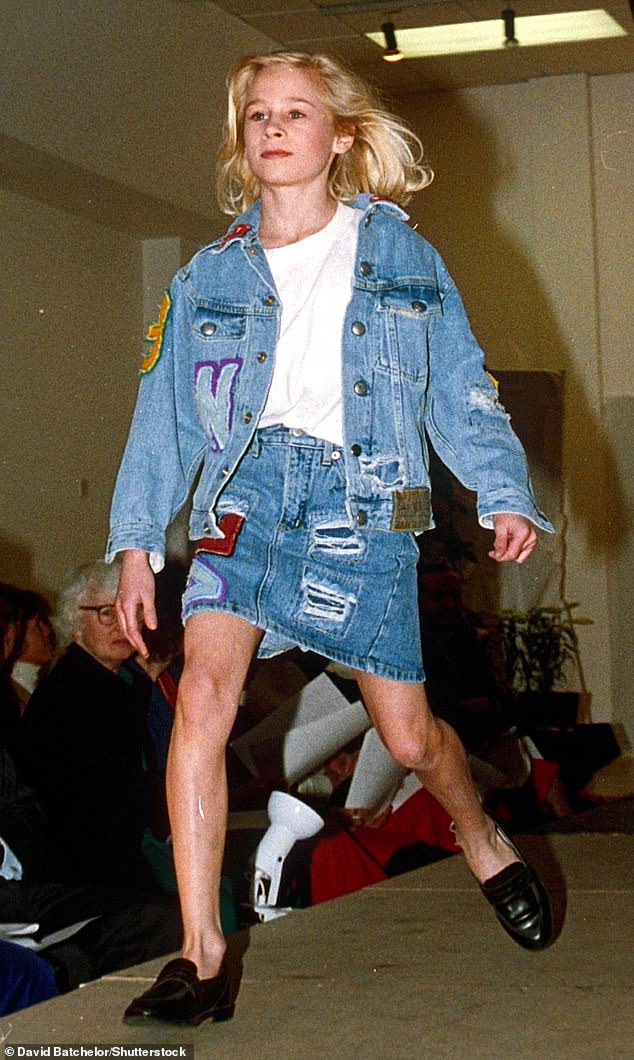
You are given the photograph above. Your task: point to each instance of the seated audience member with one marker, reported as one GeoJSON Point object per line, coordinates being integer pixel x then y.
{"type": "Point", "coordinates": [126, 927]}
{"type": "Point", "coordinates": [82, 741]}
{"type": "Point", "coordinates": [25, 978]}
{"type": "Point", "coordinates": [7, 625]}
{"type": "Point", "coordinates": [164, 664]}
{"type": "Point", "coordinates": [9, 703]}
{"type": "Point", "coordinates": [34, 645]}
{"type": "Point", "coordinates": [163, 667]}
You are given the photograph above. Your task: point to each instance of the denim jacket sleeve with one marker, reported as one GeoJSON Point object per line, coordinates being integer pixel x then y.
{"type": "Point", "coordinates": [164, 450]}
{"type": "Point", "coordinates": [465, 421]}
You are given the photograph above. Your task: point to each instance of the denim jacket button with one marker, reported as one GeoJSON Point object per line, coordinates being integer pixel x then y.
{"type": "Point", "coordinates": [224, 472]}
{"type": "Point", "coordinates": [365, 268]}
{"type": "Point", "coordinates": [356, 449]}
{"type": "Point", "coordinates": [360, 388]}
{"type": "Point", "coordinates": [269, 300]}
{"type": "Point", "coordinates": [362, 517]}
{"type": "Point", "coordinates": [207, 328]}
{"type": "Point", "coordinates": [419, 307]}
{"type": "Point", "coordinates": [248, 417]}
{"type": "Point", "coordinates": [358, 328]}
{"type": "Point", "coordinates": [261, 357]}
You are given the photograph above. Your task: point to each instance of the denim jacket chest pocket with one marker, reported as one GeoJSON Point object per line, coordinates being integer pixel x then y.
{"type": "Point", "coordinates": [405, 314]}
{"type": "Point", "coordinates": [211, 325]}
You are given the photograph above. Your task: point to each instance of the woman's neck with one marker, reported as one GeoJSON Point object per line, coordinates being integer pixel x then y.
{"type": "Point", "coordinates": [288, 218]}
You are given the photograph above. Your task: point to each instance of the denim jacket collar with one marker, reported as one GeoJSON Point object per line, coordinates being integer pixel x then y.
{"type": "Point", "coordinates": [246, 227]}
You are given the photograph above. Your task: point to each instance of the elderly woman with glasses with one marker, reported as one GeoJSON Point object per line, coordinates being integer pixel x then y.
{"type": "Point", "coordinates": [83, 740]}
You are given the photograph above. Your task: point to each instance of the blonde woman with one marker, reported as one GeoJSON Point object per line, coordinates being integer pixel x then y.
{"type": "Point", "coordinates": [303, 360]}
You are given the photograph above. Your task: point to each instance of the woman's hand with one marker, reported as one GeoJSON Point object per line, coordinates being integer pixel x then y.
{"type": "Point", "coordinates": [135, 598]}
{"type": "Point", "coordinates": [515, 538]}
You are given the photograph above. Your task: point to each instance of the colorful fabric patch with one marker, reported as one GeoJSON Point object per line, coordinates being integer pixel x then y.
{"type": "Point", "coordinates": [234, 233]}
{"type": "Point", "coordinates": [155, 337]}
{"type": "Point", "coordinates": [230, 524]}
{"type": "Point", "coordinates": [205, 585]}
{"type": "Point", "coordinates": [215, 383]}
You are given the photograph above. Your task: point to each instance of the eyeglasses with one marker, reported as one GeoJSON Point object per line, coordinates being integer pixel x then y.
{"type": "Point", "coordinates": [106, 613]}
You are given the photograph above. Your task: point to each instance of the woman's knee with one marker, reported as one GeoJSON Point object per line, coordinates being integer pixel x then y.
{"type": "Point", "coordinates": [417, 746]}
{"type": "Point", "coordinates": [403, 719]}
{"type": "Point", "coordinates": [205, 700]}
{"type": "Point", "coordinates": [218, 650]}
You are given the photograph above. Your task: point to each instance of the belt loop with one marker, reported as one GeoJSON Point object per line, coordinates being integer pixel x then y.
{"type": "Point", "coordinates": [256, 445]}
{"type": "Point", "coordinates": [326, 458]}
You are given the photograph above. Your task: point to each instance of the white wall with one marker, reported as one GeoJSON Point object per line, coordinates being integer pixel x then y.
{"type": "Point", "coordinates": [111, 111]}
{"type": "Point", "coordinates": [132, 90]}
{"type": "Point", "coordinates": [518, 211]}
{"type": "Point", "coordinates": [612, 109]}
{"type": "Point", "coordinates": [71, 319]}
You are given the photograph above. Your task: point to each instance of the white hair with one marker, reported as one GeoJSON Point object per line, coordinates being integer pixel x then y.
{"type": "Point", "coordinates": [97, 576]}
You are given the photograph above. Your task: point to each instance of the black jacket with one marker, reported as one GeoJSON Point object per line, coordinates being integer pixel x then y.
{"type": "Point", "coordinates": [82, 751]}
{"type": "Point", "coordinates": [22, 819]}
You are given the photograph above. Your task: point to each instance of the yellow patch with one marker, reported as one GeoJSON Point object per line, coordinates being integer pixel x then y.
{"type": "Point", "coordinates": [493, 380]}
{"type": "Point", "coordinates": [155, 337]}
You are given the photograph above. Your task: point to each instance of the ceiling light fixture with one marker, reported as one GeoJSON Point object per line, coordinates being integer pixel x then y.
{"type": "Point", "coordinates": [391, 52]}
{"type": "Point", "coordinates": [529, 30]}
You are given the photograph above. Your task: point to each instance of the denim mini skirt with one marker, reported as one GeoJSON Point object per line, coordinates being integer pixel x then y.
{"type": "Point", "coordinates": [300, 571]}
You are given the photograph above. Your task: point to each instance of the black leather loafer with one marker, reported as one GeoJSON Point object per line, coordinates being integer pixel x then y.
{"type": "Point", "coordinates": [520, 902]}
{"type": "Point", "coordinates": [179, 996]}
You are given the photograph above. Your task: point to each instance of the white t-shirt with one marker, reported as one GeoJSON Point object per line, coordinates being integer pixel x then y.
{"type": "Point", "coordinates": [314, 281]}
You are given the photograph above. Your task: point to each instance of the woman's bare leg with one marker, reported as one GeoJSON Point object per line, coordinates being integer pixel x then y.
{"type": "Point", "coordinates": [218, 650]}
{"type": "Point", "coordinates": [416, 739]}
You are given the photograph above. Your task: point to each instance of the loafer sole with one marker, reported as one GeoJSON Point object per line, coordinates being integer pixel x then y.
{"type": "Point", "coordinates": [215, 1015]}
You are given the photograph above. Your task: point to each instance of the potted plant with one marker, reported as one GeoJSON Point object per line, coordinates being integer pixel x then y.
{"type": "Point", "coordinates": [539, 649]}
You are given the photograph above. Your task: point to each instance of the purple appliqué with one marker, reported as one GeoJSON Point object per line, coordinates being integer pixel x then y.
{"type": "Point", "coordinates": [215, 385]}
{"type": "Point", "coordinates": [205, 585]}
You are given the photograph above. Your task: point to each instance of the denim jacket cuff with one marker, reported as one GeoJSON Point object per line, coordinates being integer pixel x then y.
{"type": "Point", "coordinates": [146, 538]}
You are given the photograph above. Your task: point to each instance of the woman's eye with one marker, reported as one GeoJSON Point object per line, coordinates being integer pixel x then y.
{"type": "Point", "coordinates": [296, 114]}
{"type": "Point", "coordinates": [256, 115]}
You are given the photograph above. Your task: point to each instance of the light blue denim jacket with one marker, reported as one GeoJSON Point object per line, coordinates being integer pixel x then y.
{"type": "Point", "coordinates": [412, 371]}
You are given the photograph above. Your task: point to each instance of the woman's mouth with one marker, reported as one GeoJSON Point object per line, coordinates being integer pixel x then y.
{"type": "Point", "coordinates": [279, 153]}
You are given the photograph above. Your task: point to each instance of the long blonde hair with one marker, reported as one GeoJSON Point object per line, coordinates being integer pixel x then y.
{"type": "Point", "coordinates": [386, 157]}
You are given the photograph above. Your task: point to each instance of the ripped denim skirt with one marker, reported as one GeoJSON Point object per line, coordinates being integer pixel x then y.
{"type": "Point", "coordinates": [295, 567]}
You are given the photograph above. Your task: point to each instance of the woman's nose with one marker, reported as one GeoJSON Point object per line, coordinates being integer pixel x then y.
{"type": "Point", "coordinates": [274, 128]}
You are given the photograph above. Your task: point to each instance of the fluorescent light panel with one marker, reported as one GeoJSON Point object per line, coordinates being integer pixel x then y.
{"type": "Point", "coordinates": [488, 35]}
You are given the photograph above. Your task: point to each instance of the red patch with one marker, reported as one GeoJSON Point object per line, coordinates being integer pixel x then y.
{"type": "Point", "coordinates": [234, 233]}
{"type": "Point", "coordinates": [230, 524]}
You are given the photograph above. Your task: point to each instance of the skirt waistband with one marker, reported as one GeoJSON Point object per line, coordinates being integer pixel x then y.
{"type": "Point", "coordinates": [295, 438]}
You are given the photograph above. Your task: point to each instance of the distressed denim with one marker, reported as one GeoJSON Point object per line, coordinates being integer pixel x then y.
{"type": "Point", "coordinates": [302, 573]}
{"type": "Point", "coordinates": [412, 374]}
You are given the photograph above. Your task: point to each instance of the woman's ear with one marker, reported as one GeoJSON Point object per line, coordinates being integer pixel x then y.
{"type": "Point", "coordinates": [344, 139]}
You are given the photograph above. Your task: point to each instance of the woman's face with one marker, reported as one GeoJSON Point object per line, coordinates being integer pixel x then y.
{"type": "Point", "coordinates": [289, 135]}
{"type": "Point", "coordinates": [99, 632]}
{"type": "Point", "coordinates": [38, 642]}
{"type": "Point", "coordinates": [7, 639]}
